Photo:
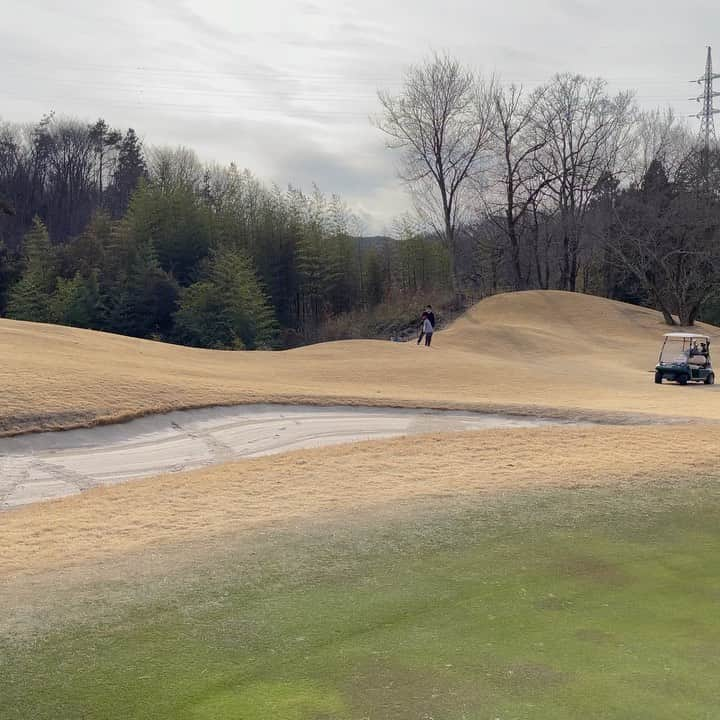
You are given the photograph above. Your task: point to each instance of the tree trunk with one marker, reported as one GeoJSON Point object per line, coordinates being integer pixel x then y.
{"type": "Point", "coordinates": [450, 241]}
{"type": "Point", "coordinates": [573, 272]}
{"type": "Point", "coordinates": [667, 315]}
{"type": "Point", "coordinates": [565, 265]}
{"type": "Point", "coordinates": [520, 283]}
{"type": "Point", "coordinates": [608, 274]}
{"type": "Point", "coordinates": [688, 314]}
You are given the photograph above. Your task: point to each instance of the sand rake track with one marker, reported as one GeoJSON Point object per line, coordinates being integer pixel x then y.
{"type": "Point", "coordinates": [51, 465]}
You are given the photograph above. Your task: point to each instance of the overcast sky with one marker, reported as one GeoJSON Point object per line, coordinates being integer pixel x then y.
{"type": "Point", "coordinates": [286, 88]}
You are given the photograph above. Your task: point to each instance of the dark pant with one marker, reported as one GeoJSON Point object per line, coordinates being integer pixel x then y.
{"type": "Point", "coordinates": [420, 337]}
{"type": "Point", "coordinates": [428, 339]}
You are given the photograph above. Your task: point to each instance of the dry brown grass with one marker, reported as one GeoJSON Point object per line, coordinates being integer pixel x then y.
{"type": "Point", "coordinates": [535, 352]}
{"type": "Point", "coordinates": [318, 484]}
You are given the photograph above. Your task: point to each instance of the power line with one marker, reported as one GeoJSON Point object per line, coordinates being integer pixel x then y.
{"type": "Point", "coordinates": [148, 105]}
{"type": "Point", "coordinates": [251, 72]}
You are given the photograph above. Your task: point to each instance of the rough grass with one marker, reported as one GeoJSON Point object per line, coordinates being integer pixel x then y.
{"type": "Point", "coordinates": [536, 352]}
{"type": "Point", "coordinates": [544, 605]}
{"type": "Point", "coordinates": [112, 521]}
{"type": "Point", "coordinates": [394, 318]}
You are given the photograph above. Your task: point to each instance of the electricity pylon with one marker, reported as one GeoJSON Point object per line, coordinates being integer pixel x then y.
{"type": "Point", "coordinates": [706, 136]}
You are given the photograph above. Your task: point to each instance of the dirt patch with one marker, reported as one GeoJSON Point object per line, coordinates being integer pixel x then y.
{"type": "Point", "coordinates": [595, 637]}
{"type": "Point", "coordinates": [527, 676]}
{"type": "Point", "coordinates": [594, 570]}
{"type": "Point", "coordinates": [390, 690]}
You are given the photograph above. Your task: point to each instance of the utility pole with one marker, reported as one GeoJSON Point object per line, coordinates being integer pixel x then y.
{"type": "Point", "coordinates": [706, 137]}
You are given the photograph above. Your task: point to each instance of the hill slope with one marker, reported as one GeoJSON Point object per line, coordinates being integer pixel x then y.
{"type": "Point", "coordinates": [540, 352]}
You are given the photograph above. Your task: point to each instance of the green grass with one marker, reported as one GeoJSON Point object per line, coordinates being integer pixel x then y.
{"type": "Point", "coordinates": [557, 605]}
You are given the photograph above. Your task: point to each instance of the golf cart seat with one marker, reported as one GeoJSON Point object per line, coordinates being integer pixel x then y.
{"type": "Point", "coordinates": [699, 360]}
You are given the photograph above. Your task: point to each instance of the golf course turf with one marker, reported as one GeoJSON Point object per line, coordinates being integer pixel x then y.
{"type": "Point", "coordinates": [556, 573]}
{"type": "Point", "coordinates": [549, 604]}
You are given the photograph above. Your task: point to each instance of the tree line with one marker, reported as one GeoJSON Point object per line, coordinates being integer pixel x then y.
{"type": "Point", "coordinates": [98, 233]}
{"type": "Point", "coordinates": [567, 186]}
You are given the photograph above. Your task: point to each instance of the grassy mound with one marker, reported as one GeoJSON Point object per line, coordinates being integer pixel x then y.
{"type": "Point", "coordinates": [536, 352]}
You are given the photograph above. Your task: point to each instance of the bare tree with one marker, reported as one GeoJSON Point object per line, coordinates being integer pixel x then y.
{"type": "Point", "coordinates": [662, 137]}
{"type": "Point", "coordinates": [520, 137]}
{"type": "Point", "coordinates": [589, 135]}
{"type": "Point", "coordinates": [442, 121]}
{"type": "Point", "coordinates": [53, 169]}
{"type": "Point", "coordinates": [171, 168]}
{"type": "Point", "coordinates": [542, 234]}
{"type": "Point", "coordinates": [667, 238]}
{"type": "Point", "coordinates": [70, 177]}
{"type": "Point", "coordinates": [105, 142]}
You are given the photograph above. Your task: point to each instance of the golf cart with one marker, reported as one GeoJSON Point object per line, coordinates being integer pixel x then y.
{"type": "Point", "coordinates": [685, 357]}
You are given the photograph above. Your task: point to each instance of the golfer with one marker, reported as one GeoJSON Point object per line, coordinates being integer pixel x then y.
{"type": "Point", "coordinates": [430, 314]}
{"type": "Point", "coordinates": [421, 331]}
{"type": "Point", "coordinates": [427, 329]}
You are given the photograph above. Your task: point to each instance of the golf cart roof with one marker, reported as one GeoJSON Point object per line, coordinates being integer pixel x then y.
{"type": "Point", "coordinates": [686, 335]}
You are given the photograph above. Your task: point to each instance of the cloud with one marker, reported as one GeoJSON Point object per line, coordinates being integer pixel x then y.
{"type": "Point", "coordinates": [286, 87]}
{"type": "Point", "coordinates": [179, 11]}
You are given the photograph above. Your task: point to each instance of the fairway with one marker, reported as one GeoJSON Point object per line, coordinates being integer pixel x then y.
{"type": "Point", "coordinates": [545, 605]}
{"type": "Point", "coordinates": [539, 352]}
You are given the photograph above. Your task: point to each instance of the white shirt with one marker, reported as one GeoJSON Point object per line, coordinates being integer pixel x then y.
{"type": "Point", "coordinates": [427, 327]}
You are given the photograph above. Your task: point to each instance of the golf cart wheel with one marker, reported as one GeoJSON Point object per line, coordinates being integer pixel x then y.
{"type": "Point", "coordinates": [658, 378]}
{"type": "Point", "coordinates": [710, 379]}
{"type": "Point", "coordinates": [682, 379]}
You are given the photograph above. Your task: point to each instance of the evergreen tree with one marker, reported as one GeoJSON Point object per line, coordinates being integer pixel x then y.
{"type": "Point", "coordinates": [28, 301]}
{"type": "Point", "coordinates": [77, 302]}
{"type": "Point", "coordinates": [87, 252]}
{"type": "Point", "coordinates": [655, 181]}
{"type": "Point", "coordinates": [145, 297]}
{"type": "Point", "coordinates": [30, 298]}
{"type": "Point", "coordinates": [228, 309]}
{"type": "Point", "coordinates": [177, 224]}
{"type": "Point", "coordinates": [9, 274]}
{"type": "Point", "coordinates": [129, 170]}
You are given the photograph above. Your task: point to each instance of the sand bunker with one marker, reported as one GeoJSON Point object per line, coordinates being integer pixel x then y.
{"type": "Point", "coordinates": [51, 465]}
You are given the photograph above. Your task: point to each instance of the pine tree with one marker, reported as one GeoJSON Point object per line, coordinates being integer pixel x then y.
{"type": "Point", "coordinates": [9, 274]}
{"type": "Point", "coordinates": [228, 309]}
{"type": "Point", "coordinates": [77, 302]}
{"type": "Point", "coordinates": [145, 296]}
{"type": "Point", "coordinates": [28, 301]}
{"type": "Point", "coordinates": [129, 170]}
{"type": "Point", "coordinates": [179, 227]}
{"type": "Point", "coordinates": [30, 298]}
